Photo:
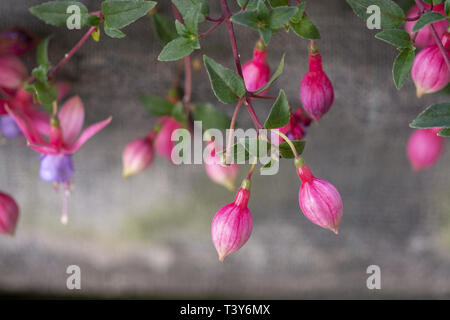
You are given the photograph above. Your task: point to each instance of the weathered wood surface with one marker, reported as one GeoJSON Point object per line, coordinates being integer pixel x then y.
{"type": "Point", "coordinates": [150, 235]}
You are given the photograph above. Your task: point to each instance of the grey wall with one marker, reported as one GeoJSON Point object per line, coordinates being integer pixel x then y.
{"type": "Point", "coordinates": [150, 235]}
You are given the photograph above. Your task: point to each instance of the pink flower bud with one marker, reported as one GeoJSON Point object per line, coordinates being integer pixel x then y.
{"type": "Point", "coordinates": [16, 41]}
{"type": "Point", "coordinates": [163, 141]}
{"type": "Point", "coordinates": [137, 156]}
{"type": "Point", "coordinates": [424, 148]}
{"type": "Point", "coordinates": [256, 71]}
{"type": "Point", "coordinates": [316, 90]}
{"type": "Point", "coordinates": [232, 225]}
{"type": "Point", "coordinates": [430, 72]}
{"type": "Point", "coordinates": [221, 174]}
{"type": "Point", "coordinates": [12, 72]}
{"type": "Point", "coordinates": [296, 127]}
{"type": "Point", "coordinates": [319, 200]}
{"type": "Point", "coordinates": [425, 35]}
{"type": "Point", "coordinates": [9, 214]}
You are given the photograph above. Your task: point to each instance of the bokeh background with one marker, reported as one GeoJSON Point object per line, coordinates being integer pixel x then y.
{"type": "Point", "coordinates": [149, 236]}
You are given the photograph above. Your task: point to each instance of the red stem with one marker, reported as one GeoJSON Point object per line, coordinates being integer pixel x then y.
{"type": "Point", "coordinates": [187, 80]}
{"type": "Point", "coordinates": [421, 5]}
{"type": "Point", "coordinates": [227, 15]}
{"type": "Point", "coordinates": [187, 67]}
{"type": "Point", "coordinates": [233, 123]}
{"type": "Point", "coordinates": [214, 27]}
{"type": "Point", "coordinates": [72, 52]}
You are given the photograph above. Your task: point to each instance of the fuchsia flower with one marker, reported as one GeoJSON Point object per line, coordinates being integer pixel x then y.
{"type": "Point", "coordinates": [23, 101]}
{"type": "Point", "coordinates": [316, 90]}
{"type": "Point", "coordinates": [256, 72]}
{"type": "Point", "coordinates": [319, 200]}
{"type": "Point", "coordinates": [9, 214]}
{"type": "Point", "coordinates": [430, 72]}
{"type": "Point", "coordinates": [16, 41]}
{"type": "Point", "coordinates": [424, 148]}
{"type": "Point", "coordinates": [56, 161]}
{"type": "Point", "coordinates": [232, 225]}
{"type": "Point", "coordinates": [425, 35]}
{"type": "Point", "coordinates": [296, 128]}
{"type": "Point", "coordinates": [221, 174]}
{"type": "Point", "coordinates": [12, 72]}
{"type": "Point", "coordinates": [163, 140]}
{"type": "Point", "coordinates": [138, 155]}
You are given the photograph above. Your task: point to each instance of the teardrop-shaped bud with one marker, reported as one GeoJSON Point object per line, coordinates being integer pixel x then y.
{"type": "Point", "coordinates": [319, 200]}
{"type": "Point", "coordinates": [9, 214]}
{"type": "Point", "coordinates": [232, 225]}
{"type": "Point", "coordinates": [430, 72]}
{"type": "Point", "coordinates": [163, 140]}
{"type": "Point", "coordinates": [316, 90]}
{"type": "Point", "coordinates": [424, 148]}
{"type": "Point", "coordinates": [256, 72]}
{"type": "Point", "coordinates": [219, 173]}
{"type": "Point", "coordinates": [137, 156]}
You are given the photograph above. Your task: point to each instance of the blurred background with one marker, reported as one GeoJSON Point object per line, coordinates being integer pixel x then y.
{"type": "Point", "coordinates": [149, 236]}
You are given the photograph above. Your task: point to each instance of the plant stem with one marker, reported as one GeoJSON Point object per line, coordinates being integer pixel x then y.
{"type": "Point", "coordinates": [187, 80]}
{"type": "Point", "coordinates": [214, 27]}
{"type": "Point", "coordinates": [187, 70]}
{"type": "Point", "coordinates": [227, 15]}
{"type": "Point", "coordinates": [421, 5]}
{"type": "Point", "coordinates": [252, 169]}
{"type": "Point", "coordinates": [232, 124]}
{"type": "Point", "coordinates": [289, 142]}
{"type": "Point", "coordinates": [71, 52]}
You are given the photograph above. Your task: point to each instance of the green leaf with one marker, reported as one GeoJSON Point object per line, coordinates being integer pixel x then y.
{"type": "Point", "coordinates": [190, 8]}
{"type": "Point", "coordinates": [93, 21]}
{"type": "Point", "coordinates": [113, 32]}
{"type": "Point", "coordinates": [435, 116]}
{"type": "Point", "coordinates": [178, 112]}
{"type": "Point", "coordinates": [275, 76]}
{"type": "Point", "coordinates": [396, 37]}
{"type": "Point", "coordinates": [177, 49]}
{"type": "Point", "coordinates": [253, 5]}
{"type": "Point", "coordinates": [426, 19]}
{"type": "Point", "coordinates": [305, 28]}
{"type": "Point", "coordinates": [278, 3]}
{"type": "Point", "coordinates": [279, 114]}
{"type": "Point", "coordinates": [286, 151]}
{"type": "Point", "coordinates": [227, 85]}
{"type": "Point", "coordinates": [392, 14]}
{"type": "Point", "coordinates": [444, 133]}
{"type": "Point", "coordinates": [211, 117]}
{"type": "Point", "coordinates": [55, 12]}
{"type": "Point", "coordinates": [242, 3]}
{"type": "Point", "coordinates": [447, 7]}
{"type": "Point", "coordinates": [156, 106]}
{"type": "Point", "coordinates": [402, 66]}
{"type": "Point", "coordinates": [246, 18]}
{"type": "Point", "coordinates": [121, 13]}
{"type": "Point", "coordinates": [300, 13]}
{"type": "Point", "coordinates": [280, 16]}
{"type": "Point", "coordinates": [164, 28]}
